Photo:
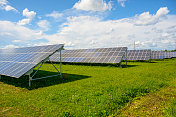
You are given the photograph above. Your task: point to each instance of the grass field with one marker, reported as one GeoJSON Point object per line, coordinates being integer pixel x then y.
{"type": "Point", "coordinates": [86, 90]}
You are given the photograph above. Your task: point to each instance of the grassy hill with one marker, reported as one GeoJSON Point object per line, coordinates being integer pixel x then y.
{"type": "Point", "coordinates": [85, 90]}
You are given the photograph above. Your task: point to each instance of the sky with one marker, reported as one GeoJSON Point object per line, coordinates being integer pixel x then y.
{"type": "Point", "coordinates": [151, 24]}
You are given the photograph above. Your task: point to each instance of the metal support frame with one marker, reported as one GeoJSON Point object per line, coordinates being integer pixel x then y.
{"type": "Point", "coordinates": [126, 58]}
{"type": "Point", "coordinates": [150, 56]}
{"type": "Point", "coordinates": [120, 64]}
{"type": "Point", "coordinates": [60, 64]}
{"type": "Point", "coordinates": [47, 59]}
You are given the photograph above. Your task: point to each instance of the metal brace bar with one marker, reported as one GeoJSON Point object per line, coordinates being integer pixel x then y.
{"type": "Point", "coordinates": [45, 77]}
{"type": "Point", "coordinates": [30, 78]}
{"type": "Point", "coordinates": [53, 65]}
{"type": "Point", "coordinates": [37, 69]}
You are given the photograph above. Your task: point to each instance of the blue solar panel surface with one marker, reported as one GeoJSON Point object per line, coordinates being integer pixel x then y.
{"type": "Point", "coordinates": [167, 55]}
{"type": "Point", "coordinates": [98, 55]}
{"type": "Point", "coordinates": [139, 54]}
{"type": "Point", "coordinates": [173, 54]}
{"type": "Point", "coordinates": [16, 62]}
{"type": "Point", "coordinates": [157, 54]}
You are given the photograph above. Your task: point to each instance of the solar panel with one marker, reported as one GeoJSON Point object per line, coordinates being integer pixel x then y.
{"type": "Point", "coordinates": [139, 54]}
{"type": "Point", "coordinates": [18, 61]}
{"type": "Point", "coordinates": [173, 54]}
{"type": "Point", "coordinates": [98, 55]}
{"type": "Point", "coordinates": [157, 55]}
{"type": "Point", "coordinates": [167, 55]}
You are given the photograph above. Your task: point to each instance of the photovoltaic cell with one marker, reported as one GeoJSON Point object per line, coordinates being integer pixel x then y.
{"type": "Point", "coordinates": [98, 55]}
{"type": "Point", "coordinates": [18, 61]}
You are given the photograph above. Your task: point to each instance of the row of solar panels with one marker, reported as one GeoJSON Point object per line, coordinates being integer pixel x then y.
{"type": "Point", "coordinates": [109, 55]}
{"type": "Point", "coordinates": [98, 55]}
{"type": "Point", "coordinates": [162, 55]}
{"type": "Point", "coordinates": [18, 61]}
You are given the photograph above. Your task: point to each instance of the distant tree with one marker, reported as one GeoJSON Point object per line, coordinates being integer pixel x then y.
{"type": "Point", "coordinates": [173, 50]}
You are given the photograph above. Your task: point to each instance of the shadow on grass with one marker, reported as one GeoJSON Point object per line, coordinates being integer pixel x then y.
{"type": "Point", "coordinates": [91, 64]}
{"type": "Point", "coordinates": [23, 81]}
{"type": "Point", "coordinates": [153, 62]}
{"type": "Point", "coordinates": [130, 66]}
{"type": "Point", "coordinates": [123, 65]}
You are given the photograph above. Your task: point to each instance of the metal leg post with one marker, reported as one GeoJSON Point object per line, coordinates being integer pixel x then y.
{"type": "Point", "coordinates": [30, 79]}
{"type": "Point", "coordinates": [60, 65]}
{"type": "Point", "coordinates": [126, 58]}
{"type": "Point", "coordinates": [150, 56]}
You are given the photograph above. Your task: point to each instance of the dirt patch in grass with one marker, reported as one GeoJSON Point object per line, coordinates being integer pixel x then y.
{"type": "Point", "coordinates": [153, 104]}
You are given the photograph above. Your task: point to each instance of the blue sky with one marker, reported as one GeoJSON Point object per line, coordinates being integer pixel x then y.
{"type": "Point", "coordinates": [88, 23]}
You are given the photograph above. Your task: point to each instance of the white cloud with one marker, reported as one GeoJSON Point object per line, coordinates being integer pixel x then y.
{"type": "Point", "coordinates": [3, 2]}
{"type": "Point", "coordinates": [44, 24]}
{"type": "Point", "coordinates": [122, 2]}
{"type": "Point", "coordinates": [10, 46]}
{"type": "Point", "coordinates": [148, 19]}
{"type": "Point", "coordinates": [12, 33]}
{"type": "Point", "coordinates": [30, 16]}
{"type": "Point", "coordinates": [162, 12]}
{"type": "Point", "coordinates": [4, 5]}
{"type": "Point", "coordinates": [9, 8]}
{"type": "Point", "coordinates": [55, 15]}
{"type": "Point", "coordinates": [16, 41]}
{"type": "Point", "coordinates": [91, 32]}
{"type": "Point", "coordinates": [93, 5]}
{"type": "Point", "coordinates": [24, 21]}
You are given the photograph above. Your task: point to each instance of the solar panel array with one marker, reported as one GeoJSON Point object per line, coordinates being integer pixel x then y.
{"type": "Point", "coordinates": [167, 55]}
{"type": "Point", "coordinates": [99, 55]}
{"type": "Point", "coordinates": [16, 62]}
{"type": "Point", "coordinates": [139, 54]}
{"type": "Point", "coordinates": [157, 55]}
{"type": "Point", "coordinates": [173, 54]}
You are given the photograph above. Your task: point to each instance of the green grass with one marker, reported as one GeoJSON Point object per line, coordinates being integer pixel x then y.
{"type": "Point", "coordinates": [85, 90]}
{"type": "Point", "coordinates": [155, 104]}
{"type": "Point", "coordinates": [171, 109]}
